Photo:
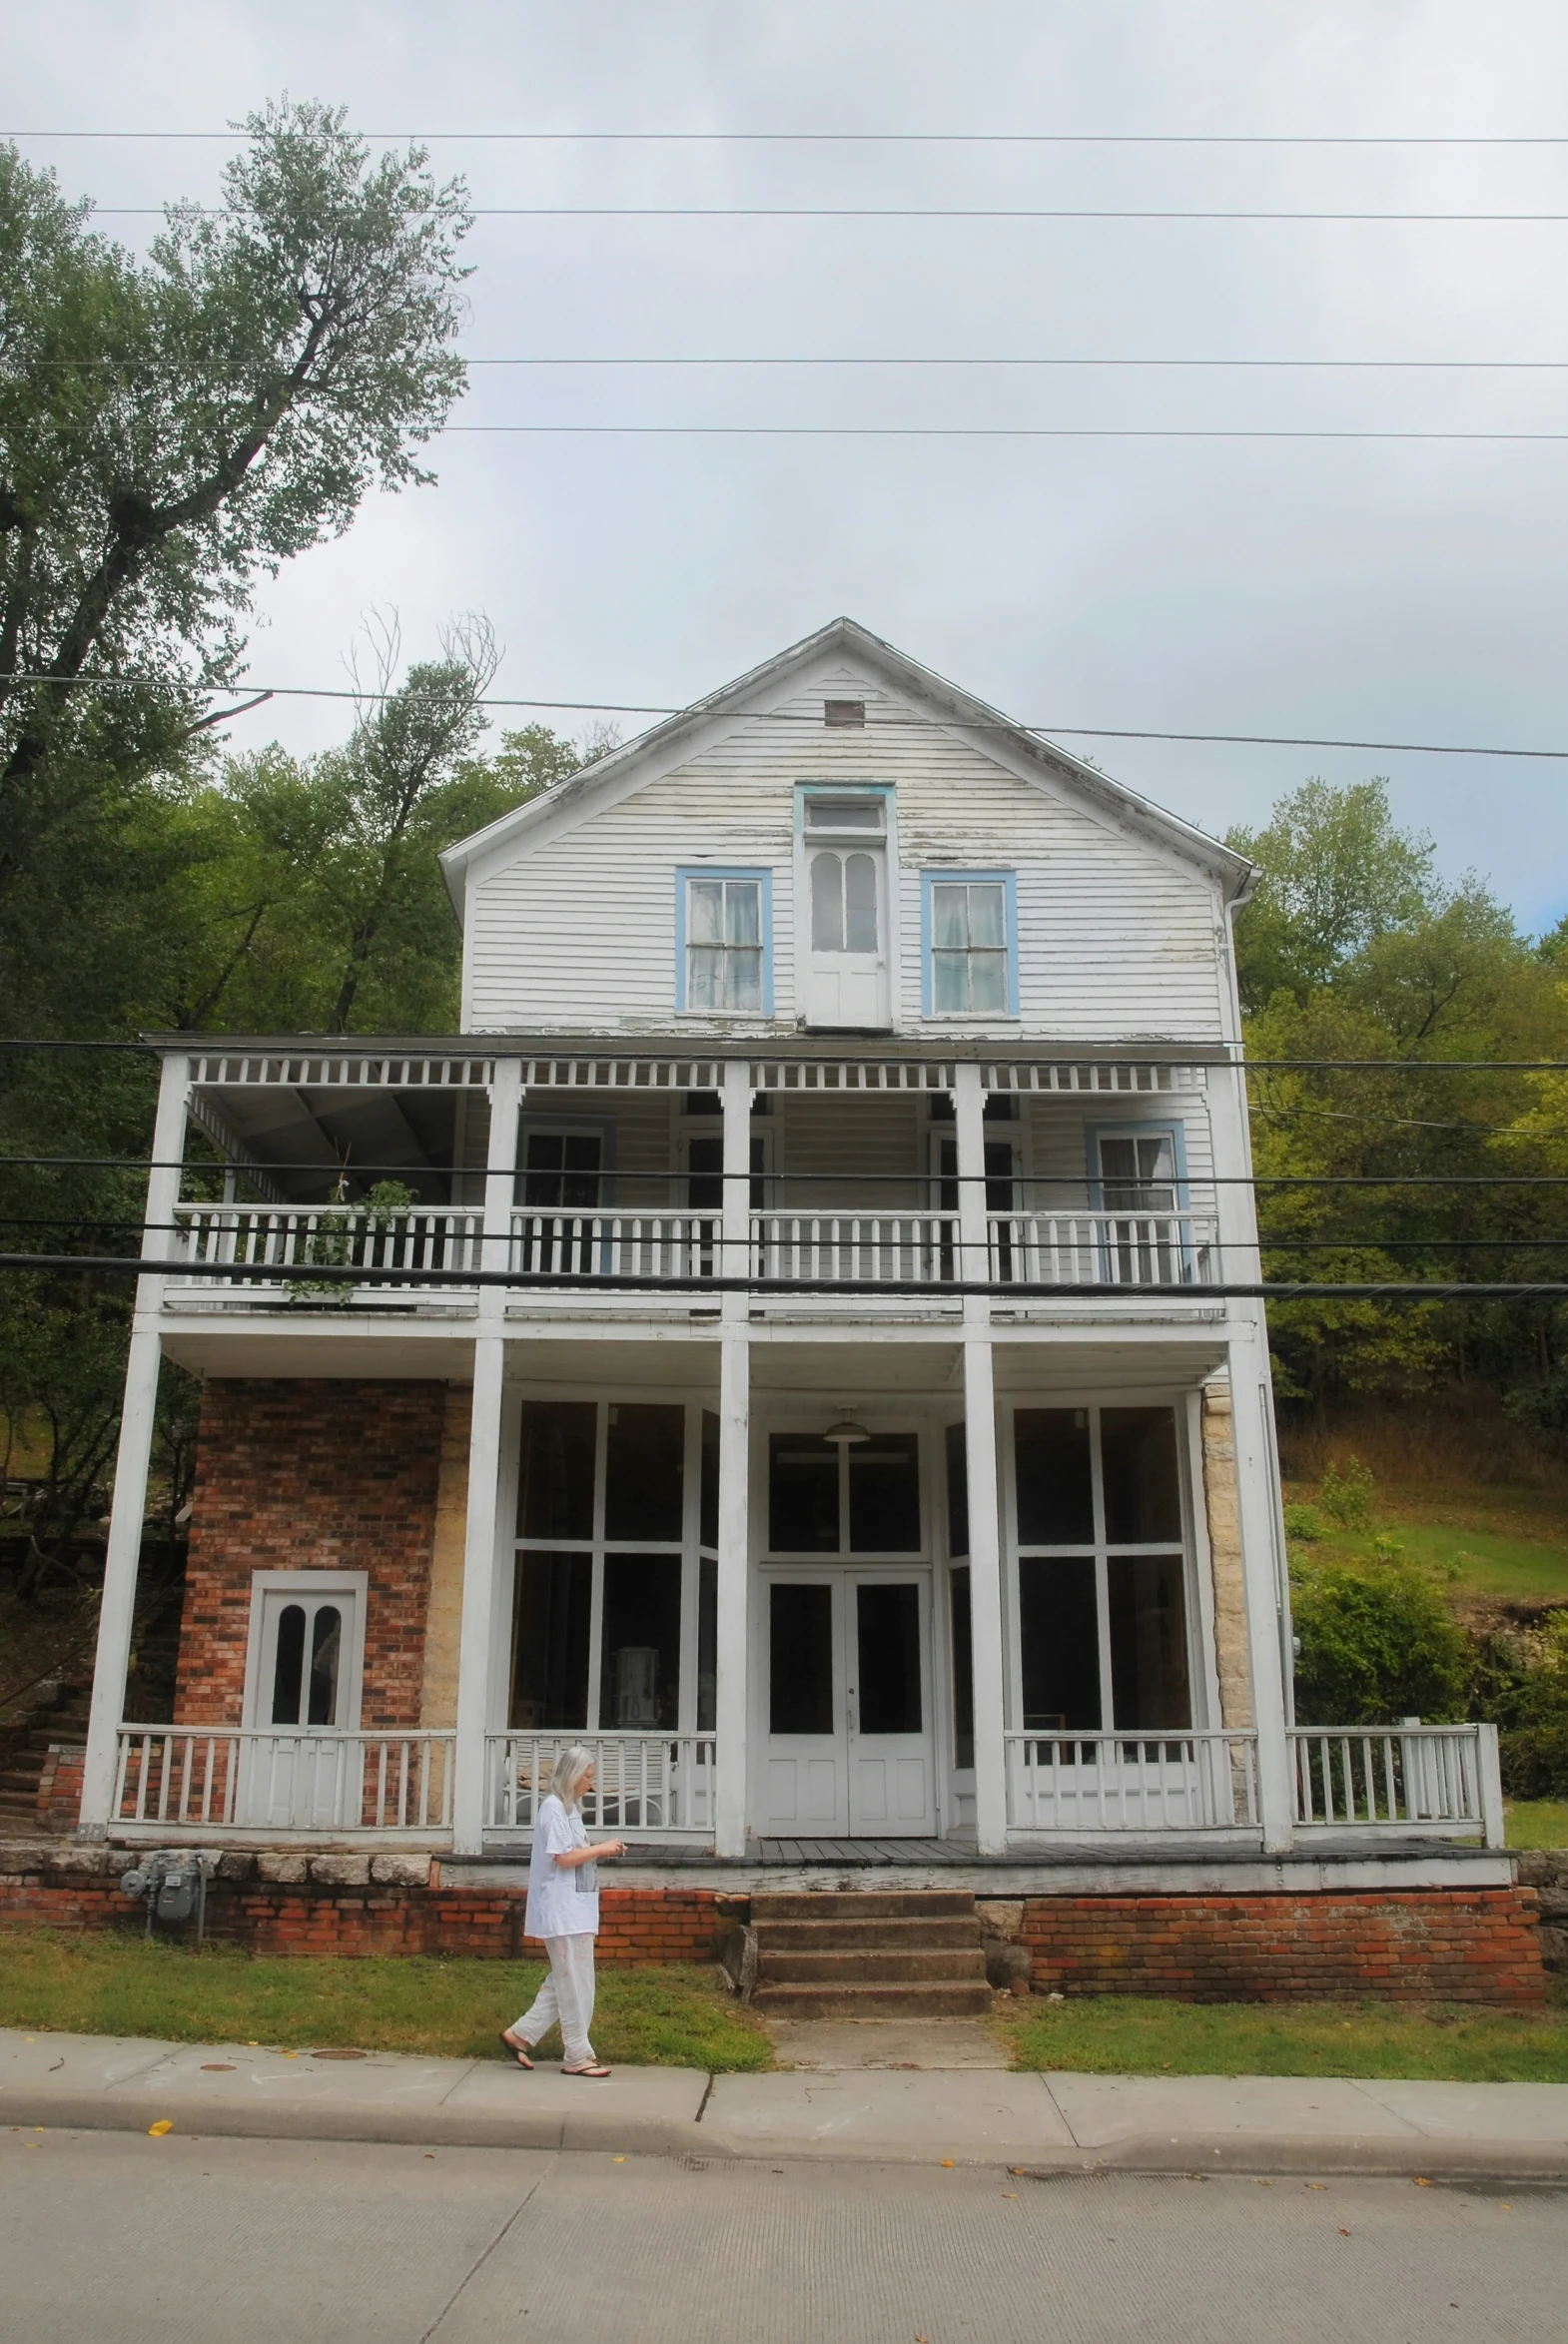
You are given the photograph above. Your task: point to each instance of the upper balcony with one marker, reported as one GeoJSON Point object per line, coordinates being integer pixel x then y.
{"type": "Point", "coordinates": [1097, 1179]}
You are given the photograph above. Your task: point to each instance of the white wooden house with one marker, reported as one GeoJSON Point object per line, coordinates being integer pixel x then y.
{"type": "Point", "coordinates": [824, 1319]}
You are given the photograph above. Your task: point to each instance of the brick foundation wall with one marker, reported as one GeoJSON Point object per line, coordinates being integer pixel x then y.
{"type": "Point", "coordinates": [60, 1788]}
{"type": "Point", "coordinates": [348, 1905]}
{"type": "Point", "coordinates": [1417, 1944]}
{"type": "Point", "coordinates": [305, 1475]}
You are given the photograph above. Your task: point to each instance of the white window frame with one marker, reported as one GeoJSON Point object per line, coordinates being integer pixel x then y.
{"type": "Point", "coordinates": [753, 875]}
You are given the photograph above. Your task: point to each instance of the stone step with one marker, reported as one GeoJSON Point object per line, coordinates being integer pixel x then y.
{"type": "Point", "coordinates": [915, 1965]}
{"type": "Point", "coordinates": [883, 1933]}
{"type": "Point", "coordinates": [862, 1904]}
{"type": "Point", "coordinates": [968, 2000]}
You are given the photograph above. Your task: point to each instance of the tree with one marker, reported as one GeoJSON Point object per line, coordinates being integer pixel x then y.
{"type": "Point", "coordinates": [1337, 873]}
{"type": "Point", "coordinates": [172, 430]}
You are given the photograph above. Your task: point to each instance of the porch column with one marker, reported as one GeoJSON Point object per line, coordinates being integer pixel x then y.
{"type": "Point", "coordinates": [482, 1534]}
{"type": "Point", "coordinates": [128, 1510]}
{"type": "Point", "coordinates": [979, 1456]}
{"type": "Point", "coordinates": [1256, 1458]}
{"type": "Point", "coordinates": [734, 1558]}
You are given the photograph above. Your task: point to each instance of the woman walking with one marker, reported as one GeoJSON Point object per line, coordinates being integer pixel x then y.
{"type": "Point", "coordinates": [563, 1910]}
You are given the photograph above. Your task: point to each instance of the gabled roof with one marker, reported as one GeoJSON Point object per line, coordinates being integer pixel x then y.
{"type": "Point", "coordinates": [949, 705]}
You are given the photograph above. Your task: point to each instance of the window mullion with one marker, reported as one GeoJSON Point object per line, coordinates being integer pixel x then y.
{"type": "Point", "coordinates": [597, 1583]}
{"type": "Point", "coordinates": [1102, 1572]}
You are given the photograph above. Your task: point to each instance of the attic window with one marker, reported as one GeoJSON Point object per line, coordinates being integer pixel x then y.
{"type": "Point", "coordinates": [842, 711]}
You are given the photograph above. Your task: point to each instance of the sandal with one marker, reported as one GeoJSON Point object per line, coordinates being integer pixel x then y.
{"type": "Point", "coordinates": [595, 2069]}
{"type": "Point", "coordinates": [515, 2051]}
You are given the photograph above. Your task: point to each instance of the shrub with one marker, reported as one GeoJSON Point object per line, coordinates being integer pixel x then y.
{"type": "Point", "coordinates": [1375, 1647]}
{"type": "Point", "coordinates": [1542, 1407]}
{"type": "Point", "coordinates": [1535, 1760]}
{"type": "Point", "coordinates": [1346, 1497]}
{"type": "Point", "coordinates": [1304, 1523]}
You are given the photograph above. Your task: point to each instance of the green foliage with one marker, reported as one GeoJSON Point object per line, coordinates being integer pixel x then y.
{"type": "Point", "coordinates": [1542, 1407]}
{"type": "Point", "coordinates": [1522, 1684]}
{"type": "Point", "coordinates": [1337, 873]}
{"type": "Point", "coordinates": [1304, 1523]}
{"type": "Point", "coordinates": [1376, 1645]}
{"type": "Point", "coordinates": [1347, 1496]}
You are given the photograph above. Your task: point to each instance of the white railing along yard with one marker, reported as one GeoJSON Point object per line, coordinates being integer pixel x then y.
{"type": "Point", "coordinates": [1410, 1778]}
{"type": "Point", "coordinates": [1177, 1780]}
{"type": "Point", "coordinates": [307, 1779]}
{"type": "Point", "coordinates": [647, 1786]}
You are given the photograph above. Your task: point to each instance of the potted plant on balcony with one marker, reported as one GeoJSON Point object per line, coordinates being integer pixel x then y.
{"type": "Point", "coordinates": [344, 1238]}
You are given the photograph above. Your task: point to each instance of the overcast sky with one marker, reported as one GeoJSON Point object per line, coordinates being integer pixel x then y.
{"type": "Point", "coordinates": [1385, 590]}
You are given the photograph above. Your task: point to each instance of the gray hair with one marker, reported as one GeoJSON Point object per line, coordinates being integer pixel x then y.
{"type": "Point", "coordinates": [570, 1766]}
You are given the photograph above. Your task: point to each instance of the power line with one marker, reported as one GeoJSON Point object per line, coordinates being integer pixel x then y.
{"type": "Point", "coordinates": [906, 212]}
{"type": "Point", "coordinates": [957, 431]}
{"type": "Point", "coordinates": [1088, 732]}
{"type": "Point", "coordinates": [314, 1274]}
{"type": "Point", "coordinates": [483, 1044]}
{"type": "Point", "coordinates": [852, 359]}
{"type": "Point", "coordinates": [862, 138]}
{"type": "Point", "coordinates": [315, 1169]}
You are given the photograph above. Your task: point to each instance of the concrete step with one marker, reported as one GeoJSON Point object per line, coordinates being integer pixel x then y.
{"type": "Point", "coordinates": [915, 1965]}
{"type": "Point", "coordinates": [885, 1934]}
{"type": "Point", "coordinates": [862, 1904]}
{"type": "Point", "coordinates": [968, 2000]}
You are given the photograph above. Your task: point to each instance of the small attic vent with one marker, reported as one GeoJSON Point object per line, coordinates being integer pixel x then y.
{"type": "Point", "coordinates": [842, 711]}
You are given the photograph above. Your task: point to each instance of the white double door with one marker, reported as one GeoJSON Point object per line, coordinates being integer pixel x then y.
{"type": "Point", "coordinates": [848, 1748]}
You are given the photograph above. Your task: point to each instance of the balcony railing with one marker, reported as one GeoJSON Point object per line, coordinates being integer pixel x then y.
{"type": "Point", "coordinates": [1409, 1778]}
{"type": "Point", "coordinates": [310, 1780]}
{"type": "Point", "coordinates": [647, 1786]}
{"type": "Point", "coordinates": [309, 1237]}
{"type": "Point", "coordinates": [1132, 1782]}
{"type": "Point", "coordinates": [286, 1248]}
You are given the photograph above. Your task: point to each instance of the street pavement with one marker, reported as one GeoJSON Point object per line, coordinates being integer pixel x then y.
{"type": "Point", "coordinates": [131, 2239]}
{"type": "Point", "coordinates": [971, 2115]}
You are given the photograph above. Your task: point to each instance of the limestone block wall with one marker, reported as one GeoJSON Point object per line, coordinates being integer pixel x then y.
{"type": "Point", "coordinates": [1223, 1503]}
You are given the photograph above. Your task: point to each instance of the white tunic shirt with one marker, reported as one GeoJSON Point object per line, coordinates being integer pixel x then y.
{"type": "Point", "coordinates": [563, 1899]}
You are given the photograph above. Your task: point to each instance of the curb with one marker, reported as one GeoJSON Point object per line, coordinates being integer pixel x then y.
{"type": "Point", "coordinates": [591, 2132]}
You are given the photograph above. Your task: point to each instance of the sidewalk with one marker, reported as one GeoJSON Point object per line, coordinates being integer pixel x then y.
{"type": "Point", "coordinates": [1061, 2123]}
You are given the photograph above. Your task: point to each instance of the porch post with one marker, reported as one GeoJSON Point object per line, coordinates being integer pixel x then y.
{"type": "Point", "coordinates": [1256, 1466]}
{"type": "Point", "coordinates": [482, 1534]}
{"type": "Point", "coordinates": [980, 1455]}
{"type": "Point", "coordinates": [734, 1559]}
{"type": "Point", "coordinates": [123, 1552]}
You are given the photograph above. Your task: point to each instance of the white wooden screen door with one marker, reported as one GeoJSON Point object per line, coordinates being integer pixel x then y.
{"type": "Point", "coordinates": [298, 1768]}
{"type": "Point", "coordinates": [847, 1682]}
{"type": "Point", "coordinates": [847, 911]}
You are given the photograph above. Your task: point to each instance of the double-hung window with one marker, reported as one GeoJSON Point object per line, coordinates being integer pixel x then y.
{"type": "Point", "coordinates": [725, 962]}
{"type": "Point", "coordinates": [971, 945]}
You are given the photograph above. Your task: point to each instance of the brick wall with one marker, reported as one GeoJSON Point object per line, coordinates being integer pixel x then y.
{"type": "Point", "coordinates": [310, 1475]}
{"type": "Point", "coordinates": [348, 1905]}
{"type": "Point", "coordinates": [1418, 1945]}
{"type": "Point", "coordinates": [60, 1788]}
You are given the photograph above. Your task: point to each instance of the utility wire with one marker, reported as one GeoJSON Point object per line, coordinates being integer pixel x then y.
{"type": "Point", "coordinates": [857, 138]}
{"type": "Point", "coordinates": [1088, 732]}
{"type": "Point", "coordinates": [1282, 1241]}
{"type": "Point", "coordinates": [959, 432]}
{"type": "Point", "coordinates": [1468, 365]}
{"type": "Point", "coordinates": [902, 212]}
{"type": "Point", "coordinates": [360, 1171]}
{"type": "Point", "coordinates": [314, 1274]}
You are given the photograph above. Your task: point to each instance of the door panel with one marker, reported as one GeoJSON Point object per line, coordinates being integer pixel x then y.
{"type": "Point", "coordinates": [300, 1772]}
{"type": "Point", "coordinates": [847, 980]}
{"type": "Point", "coordinates": [849, 1746]}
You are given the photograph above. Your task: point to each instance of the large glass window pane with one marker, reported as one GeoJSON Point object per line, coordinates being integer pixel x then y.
{"type": "Point", "coordinates": [803, 1495]}
{"type": "Point", "coordinates": [708, 1530]}
{"type": "Point", "coordinates": [745, 981]}
{"type": "Point", "coordinates": [988, 983]}
{"type": "Point", "coordinates": [958, 1491]}
{"type": "Point", "coordinates": [963, 1670]}
{"type": "Point", "coordinates": [561, 1169]}
{"type": "Point", "coordinates": [860, 902]}
{"type": "Point", "coordinates": [555, 1480]}
{"type": "Point", "coordinates": [986, 918]}
{"type": "Point", "coordinates": [639, 1679]}
{"type": "Point", "coordinates": [887, 1641]}
{"type": "Point", "coordinates": [707, 1644]}
{"type": "Point", "coordinates": [549, 1678]}
{"type": "Point", "coordinates": [704, 978]}
{"type": "Point", "coordinates": [1055, 1504]}
{"type": "Point", "coordinates": [1138, 1172]}
{"type": "Point", "coordinates": [1149, 1680]}
{"type": "Point", "coordinates": [884, 1495]}
{"type": "Point", "coordinates": [289, 1665]}
{"type": "Point", "coordinates": [800, 1658]}
{"type": "Point", "coordinates": [326, 1652]}
{"type": "Point", "coordinates": [705, 911]}
{"type": "Point", "coordinates": [1137, 1453]}
{"type": "Point", "coordinates": [645, 1472]}
{"type": "Point", "coordinates": [827, 904]}
{"type": "Point", "coordinates": [949, 984]}
{"type": "Point", "coordinates": [1059, 1643]}
{"type": "Point", "coordinates": [950, 918]}
{"type": "Point", "coordinates": [742, 911]}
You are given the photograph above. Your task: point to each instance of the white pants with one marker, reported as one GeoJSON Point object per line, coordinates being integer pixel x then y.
{"type": "Point", "coordinates": [566, 1995]}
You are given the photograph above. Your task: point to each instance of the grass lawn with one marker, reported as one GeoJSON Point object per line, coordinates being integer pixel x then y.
{"type": "Point", "coordinates": [1114, 2034]}
{"type": "Point", "coordinates": [1537, 1823]}
{"type": "Point", "coordinates": [120, 1985]}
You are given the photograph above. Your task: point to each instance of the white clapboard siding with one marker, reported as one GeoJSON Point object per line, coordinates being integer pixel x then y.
{"type": "Point", "coordinates": [1057, 1143]}
{"type": "Point", "coordinates": [1117, 938]}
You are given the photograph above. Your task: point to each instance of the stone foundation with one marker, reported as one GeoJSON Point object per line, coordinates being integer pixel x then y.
{"type": "Point", "coordinates": [1447, 1945]}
